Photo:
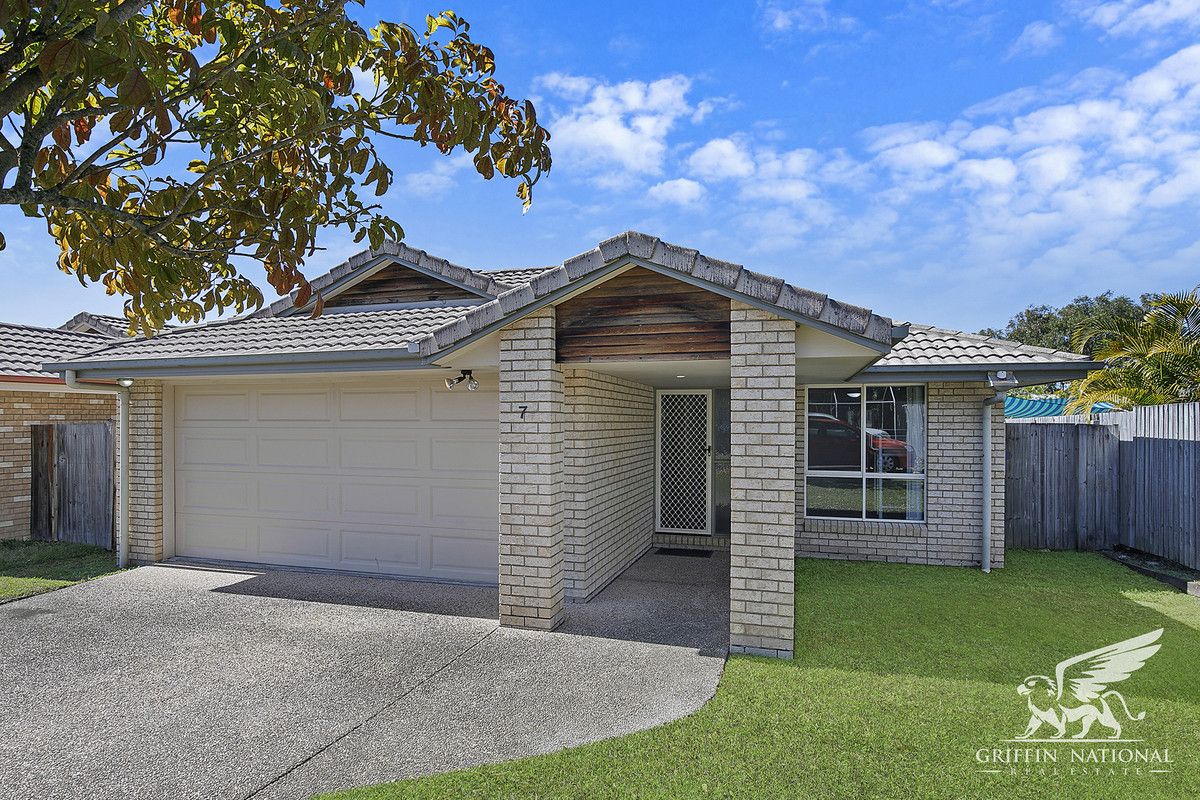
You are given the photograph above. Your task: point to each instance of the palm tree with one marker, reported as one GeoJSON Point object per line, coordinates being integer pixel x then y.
{"type": "Point", "coordinates": [1149, 361]}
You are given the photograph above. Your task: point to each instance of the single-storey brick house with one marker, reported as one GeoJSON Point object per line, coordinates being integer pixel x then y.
{"type": "Point", "coordinates": [541, 429]}
{"type": "Point", "coordinates": [31, 396]}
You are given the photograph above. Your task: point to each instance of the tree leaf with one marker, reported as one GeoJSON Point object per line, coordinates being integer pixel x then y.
{"type": "Point", "coordinates": [63, 55]}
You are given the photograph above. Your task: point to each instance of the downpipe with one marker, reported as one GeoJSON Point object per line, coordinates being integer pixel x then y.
{"type": "Point", "coordinates": [985, 559]}
{"type": "Point", "coordinates": [122, 392]}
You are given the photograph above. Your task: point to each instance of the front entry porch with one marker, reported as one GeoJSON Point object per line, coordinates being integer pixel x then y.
{"type": "Point", "coordinates": [592, 476]}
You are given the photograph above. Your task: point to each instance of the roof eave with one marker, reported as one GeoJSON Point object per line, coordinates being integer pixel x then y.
{"type": "Point", "coordinates": [1027, 374]}
{"type": "Point", "coordinates": [324, 361]}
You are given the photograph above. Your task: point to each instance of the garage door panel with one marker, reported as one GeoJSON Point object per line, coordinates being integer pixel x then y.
{"type": "Point", "coordinates": [462, 455]}
{"type": "Point", "coordinates": [213, 449]}
{"type": "Point", "coordinates": [224, 537]}
{"type": "Point", "coordinates": [294, 406]}
{"type": "Point", "coordinates": [384, 451]}
{"type": "Point", "coordinates": [279, 449]}
{"type": "Point", "coordinates": [454, 504]}
{"type": "Point", "coordinates": [392, 475]}
{"type": "Point", "coordinates": [214, 492]}
{"type": "Point", "coordinates": [462, 554]}
{"type": "Point", "coordinates": [383, 551]}
{"type": "Point", "coordinates": [295, 497]}
{"type": "Point", "coordinates": [294, 543]}
{"type": "Point", "coordinates": [388, 501]}
{"type": "Point", "coordinates": [463, 406]}
{"type": "Point", "coordinates": [215, 407]}
{"type": "Point", "coordinates": [366, 405]}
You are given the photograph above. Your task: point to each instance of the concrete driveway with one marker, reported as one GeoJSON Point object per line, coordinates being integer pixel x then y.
{"type": "Point", "coordinates": [175, 681]}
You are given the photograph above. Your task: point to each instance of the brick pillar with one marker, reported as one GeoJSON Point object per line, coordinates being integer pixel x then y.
{"type": "Point", "coordinates": [145, 472]}
{"type": "Point", "coordinates": [763, 484]}
{"type": "Point", "coordinates": [532, 502]}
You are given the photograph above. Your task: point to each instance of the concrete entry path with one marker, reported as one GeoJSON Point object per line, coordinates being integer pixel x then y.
{"type": "Point", "coordinates": [173, 681]}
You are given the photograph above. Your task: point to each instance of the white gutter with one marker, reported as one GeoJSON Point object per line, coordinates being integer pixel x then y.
{"type": "Point", "coordinates": [122, 393]}
{"type": "Point", "coordinates": [986, 420]}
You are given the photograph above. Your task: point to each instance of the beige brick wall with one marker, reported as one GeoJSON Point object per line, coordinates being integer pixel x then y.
{"type": "Point", "coordinates": [763, 482]}
{"type": "Point", "coordinates": [532, 499]}
{"type": "Point", "coordinates": [609, 478]}
{"type": "Point", "coordinates": [951, 533]}
{"type": "Point", "coordinates": [18, 411]}
{"type": "Point", "coordinates": [146, 472]}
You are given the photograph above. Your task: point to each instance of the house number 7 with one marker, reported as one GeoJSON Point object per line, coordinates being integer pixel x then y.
{"type": "Point", "coordinates": [523, 410]}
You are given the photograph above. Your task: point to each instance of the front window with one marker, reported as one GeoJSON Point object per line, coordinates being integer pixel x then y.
{"type": "Point", "coordinates": [866, 453]}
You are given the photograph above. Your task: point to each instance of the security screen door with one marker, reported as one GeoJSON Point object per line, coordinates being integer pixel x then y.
{"type": "Point", "coordinates": [684, 461]}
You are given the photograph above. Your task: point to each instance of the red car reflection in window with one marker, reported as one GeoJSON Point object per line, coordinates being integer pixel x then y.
{"type": "Point", "coordinates": [834, 444]}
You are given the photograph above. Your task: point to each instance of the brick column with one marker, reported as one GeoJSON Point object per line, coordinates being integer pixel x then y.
{"type": "Point", "coordinates": [146, 472]}
{"type": "Point", "coordinates": [763, 484]}
{"type": "Point", "coordinates": [532, 502]}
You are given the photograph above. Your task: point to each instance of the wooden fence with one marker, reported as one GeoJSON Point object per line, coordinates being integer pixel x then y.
{"type": "Point", "coordinates": [72, 483]}
{"type": "Point", "coordinates": [1089, 482]}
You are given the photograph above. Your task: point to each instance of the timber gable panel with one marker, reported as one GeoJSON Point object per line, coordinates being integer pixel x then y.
{"type": "Point", "coordinates": [642, 315]}
{"type": "Point", "coordinates": [399, 284]}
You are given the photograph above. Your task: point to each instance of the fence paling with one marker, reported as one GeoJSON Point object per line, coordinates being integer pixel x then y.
{"type": "Point", "coordinates": [1088, 482]}
{"type": "Point", "coordinates": [72, 483]}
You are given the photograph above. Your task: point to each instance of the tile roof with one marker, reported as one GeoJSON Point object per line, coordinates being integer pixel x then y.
{"type": "Point", "coordinates": [428, 331]}
{"type": "Point", "coordinates": [514, 277]}
{"type": "Point", "coordinates": [106, 324]}
{"type": "Point", "coordinates": [23, 349]}
{"type": "Point", "coordinates": [927, 346]}
{"type": "Point", "coordinates": [330, 333]}
{"type": "Point", "coordinates": [691, 265]}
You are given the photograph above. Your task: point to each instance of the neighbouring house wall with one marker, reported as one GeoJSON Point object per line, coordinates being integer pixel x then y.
{"type": "Point", "coordinates": [146, 472]}
{"type": "Point", "coordinates": [18, 411]}
{"type": "Point", "coordinates": [609, 479]}
{"type": "Point", "coordinates": [952, 529]}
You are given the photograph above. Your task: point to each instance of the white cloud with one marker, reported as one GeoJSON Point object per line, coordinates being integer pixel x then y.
{"type": "Point", "coordinates": [571, 87]}
{"type": "Point", "coordinates": [721, 158]}
{"type": "Point", "coordinates": [1133, 18]}
{"type": "Point", "coordinates": [1046, 168]}
{"type": "Point", "coordinates": [622, 125]}
{"type": "Point", "coordinates": [881, 137]}
{"type": "Point", "coordinates": [987, 172]}
{"type": "Point", "coordinates": [679, 192]}
{"type": "Point", "coordinates": [439, 179]}
{"type": "Point", "coordinates": [1037, 39]}
{"type": "Point", "coordinates": [804, 16]}
{"type": "Point", "coordinates": [919, 156]}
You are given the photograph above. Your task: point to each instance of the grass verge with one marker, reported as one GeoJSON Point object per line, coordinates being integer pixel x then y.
{"type": "Point", "coordinates": [903, 675]}
{"type": "Point", "coordinates": [28, 568]}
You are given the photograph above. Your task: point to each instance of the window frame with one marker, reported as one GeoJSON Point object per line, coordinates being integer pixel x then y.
{"type": "Point", "coordinates": [863, 474]}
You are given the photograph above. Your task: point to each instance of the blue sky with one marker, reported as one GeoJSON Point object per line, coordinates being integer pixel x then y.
{"type": "Point", "coordinates": [944, 161]}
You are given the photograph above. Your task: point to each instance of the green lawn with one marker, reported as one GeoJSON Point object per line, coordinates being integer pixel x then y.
{"type": "Point", "coordinates": [32, 567]}
{"type": "Point", "coordinates": [902, 674]}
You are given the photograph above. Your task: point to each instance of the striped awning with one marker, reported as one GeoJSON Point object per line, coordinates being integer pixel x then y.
{"type": "Point", "coordinates": [1018, 407]}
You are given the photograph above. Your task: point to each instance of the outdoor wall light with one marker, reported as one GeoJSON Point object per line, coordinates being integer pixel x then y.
{"type": "Point", "coordinates": [126, 382]}
{"type": "Point", "coordinates": [1001, 378]}
{"type": "Point", "coordinates": [464, 375]}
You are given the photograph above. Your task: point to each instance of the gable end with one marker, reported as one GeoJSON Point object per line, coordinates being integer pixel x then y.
{"type": "Point", "coordinates": [396, 284]}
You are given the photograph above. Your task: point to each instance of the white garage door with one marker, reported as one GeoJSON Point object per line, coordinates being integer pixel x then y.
{"type": "Point", "coordinates": [391, 476]}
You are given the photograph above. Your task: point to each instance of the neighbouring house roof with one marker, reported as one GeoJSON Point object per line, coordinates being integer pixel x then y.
{"type": "Point", "coordinates": [416, 336]}
{"type": "Point", "coordinates": [24, 349]}
{"type": "Point", "coordinates": [103, 324]}
{"type": "Point", "coordinates": [514, 277]}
